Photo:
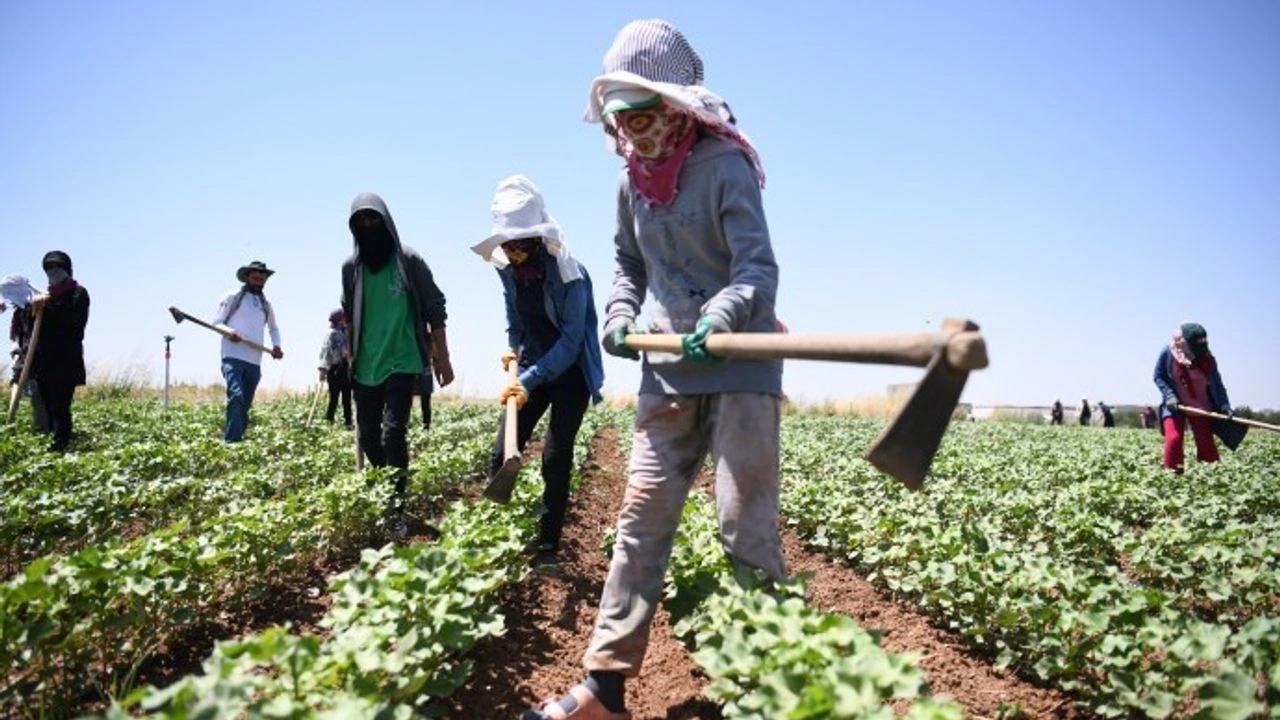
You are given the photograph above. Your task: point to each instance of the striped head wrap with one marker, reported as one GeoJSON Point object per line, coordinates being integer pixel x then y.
{"type": "Point", "coordinates": [652, 57]}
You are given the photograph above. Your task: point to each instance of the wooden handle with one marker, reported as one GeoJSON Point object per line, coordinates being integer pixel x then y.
{"type": "Point", "coordinates": [315, 400]}
{"type": "Point", "coordinates": [16, 397]}
{"type": "Point", "coordinates": [256, 346]}
{"type": "Point", "coordinates": [1232, 418]}
{"type": "Point", "coordinates": [965, 350]}
{"type": "Point", "coordinates": [510, 428]}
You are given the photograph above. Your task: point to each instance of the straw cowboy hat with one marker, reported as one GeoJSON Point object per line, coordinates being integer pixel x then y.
{"type": "Point", "coordinates": [519, 211]}
{"type": "Point", "coordinates": [651, 61]}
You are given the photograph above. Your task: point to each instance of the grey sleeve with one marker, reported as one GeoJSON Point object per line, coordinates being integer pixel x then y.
{"type": "Point", "coordinates": [629, 278]}
{"type": "Point", "coordinates": [753, 272]}
{"type": "Point", "coordinates": [429, 294]}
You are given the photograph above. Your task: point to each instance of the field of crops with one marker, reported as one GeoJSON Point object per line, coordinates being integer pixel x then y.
{"type": "Point", "coordinates": [1063, 554]}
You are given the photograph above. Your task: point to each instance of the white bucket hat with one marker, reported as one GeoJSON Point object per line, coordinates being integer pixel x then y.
{"type": "Point", "coordinates": [651, 60]}
{"type": "Point", "coordinates": [17, 290]}
{"type": "Point", "coordinates": [519, 211]}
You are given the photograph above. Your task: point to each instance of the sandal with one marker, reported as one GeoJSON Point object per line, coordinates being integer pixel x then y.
{"type": "Point", "coordinates": [578, 704]}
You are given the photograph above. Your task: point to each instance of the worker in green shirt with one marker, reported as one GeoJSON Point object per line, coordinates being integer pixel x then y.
{"type": "Point", "coordinates": [396, 315]}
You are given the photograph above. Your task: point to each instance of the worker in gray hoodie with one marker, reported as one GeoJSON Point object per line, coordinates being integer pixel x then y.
{"type": "Point", "coordinates": [396, 315]}
{"type": "Point", "coordinates": [692, 234]}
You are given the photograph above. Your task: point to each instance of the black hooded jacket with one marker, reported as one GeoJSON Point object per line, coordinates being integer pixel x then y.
{"type": "Point", "coordinates": [427, 302]}
{"type": "Point", "coordinates": [59, 353]}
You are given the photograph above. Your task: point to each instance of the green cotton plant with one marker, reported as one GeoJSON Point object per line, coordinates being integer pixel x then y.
{"type": "Point", "coordinates": [81, 623]}
{"type": "Point", "coordinates": [399, 630]}
{"type": "Point", "coordinates": [1071, 557]}
{"type": "Point", "coordinates": [770, 655]}
{"type": "Point", "coordinates": [56, 503]}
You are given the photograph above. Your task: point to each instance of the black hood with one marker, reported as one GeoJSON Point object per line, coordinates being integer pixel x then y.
{"type": "Point", "coordinates": [57, 257]}
{"type": "Point", "coordinates": [387, 243]}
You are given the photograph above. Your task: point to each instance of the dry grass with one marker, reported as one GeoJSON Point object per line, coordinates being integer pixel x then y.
{"type": "Point", "coordinates": [880, 407]}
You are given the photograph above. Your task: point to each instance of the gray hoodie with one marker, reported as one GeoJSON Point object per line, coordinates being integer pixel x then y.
{"type": "Point", "coordinates": [427, 303]}
{"type": "Point", "coordinates": [708, 252]}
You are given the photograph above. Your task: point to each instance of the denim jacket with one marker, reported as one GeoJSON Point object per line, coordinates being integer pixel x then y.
{"type": "Point", "coordinates": [571, 306]}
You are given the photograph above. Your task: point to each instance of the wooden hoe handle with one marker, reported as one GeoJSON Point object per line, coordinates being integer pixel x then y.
{"type": "Point", "coordinates": [1232, 418]}
{"type": "Point", "coordinates": [964, 349]}
{"type": "Point", "coordinates": [510, 429]}
{"type": "Point", "coordinates": [16, 397]}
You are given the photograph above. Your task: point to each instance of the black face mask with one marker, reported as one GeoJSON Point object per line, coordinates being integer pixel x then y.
{"type": "Point", "coordinates": [376, 246]}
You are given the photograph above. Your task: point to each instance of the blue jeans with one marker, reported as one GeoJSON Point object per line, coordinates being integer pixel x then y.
{"type": "Point", "coordinates": [242, 381]}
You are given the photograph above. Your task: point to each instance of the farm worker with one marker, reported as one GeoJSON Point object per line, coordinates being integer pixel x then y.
{"type": "Point", "coordinates": [243, 312]}
{"type": "Point", "coordinates": [335, 367]}
{"type": "Point", "coordinates": [1055, 414]}
{"type": "Point", "coordinates": [1085, 413]}
{"type": "Point", "coordinates": [396, 315]}
{"type": "Point", "coordinates": [1148, 417]}
{"type": "Point", "coordinates": [1187, 374]}
{"type": "Point", "coordinates": [691, 233]}
{"type": "Point", "coordinates": [17, 291]}
{"type": "Point", "coordinates": [58, 362]}
{"type": "Point", "coordinates": [1108, 420]}
{"type": "Point", "coordinates": [551, 336]}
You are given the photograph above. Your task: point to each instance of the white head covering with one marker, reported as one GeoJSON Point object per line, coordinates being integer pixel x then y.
{"type": "Point", "coordinates": [652, 57]}
{"type": "Point", "coordinates": [17, 290]}
{"type": "Point", "coordinates": [518, 212]}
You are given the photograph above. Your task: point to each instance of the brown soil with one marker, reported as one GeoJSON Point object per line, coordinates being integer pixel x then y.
{"type": "Point", "coordinates": [949, 667]}
{"type": "Point", "coordinates": [550, 617]}
{"type": "Point", "coordinates": [549, 620]}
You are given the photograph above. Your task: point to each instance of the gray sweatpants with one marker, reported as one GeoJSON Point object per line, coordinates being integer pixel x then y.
{"type": "Point", "coordinates": [673, 434]}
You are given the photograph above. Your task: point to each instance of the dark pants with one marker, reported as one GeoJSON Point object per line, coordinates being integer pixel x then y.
{"type": "Point", "coordinates": [339, 379]}
{"type": "Point", "coordinates": [56, 394]}
{"type": "Point", "coordinates": [568, 397]}
{"type": "Point", "coordinates": [242, 382]}
{"type": "Point", "coordinates": [382, 417]}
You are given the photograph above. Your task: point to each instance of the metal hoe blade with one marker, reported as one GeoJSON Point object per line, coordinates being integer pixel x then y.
{"type": "Point", "coordinates": [906, 448]}
{"type": "Point", "coordinates": [503, 483]}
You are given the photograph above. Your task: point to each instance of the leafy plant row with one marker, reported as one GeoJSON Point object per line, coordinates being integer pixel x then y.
{"type": "Point", "coordinates": [81, 624]}
{"type": "Point", "coordinates": [771, 656]}
{"type": "Point", "coordinates": [1100, 501]}
{"type": "Point", "coordinates": [402, 624]}
{"type": "Point", "coordinates": [61, 503]}
{"type": "Point", "coordinates": [971, 559]}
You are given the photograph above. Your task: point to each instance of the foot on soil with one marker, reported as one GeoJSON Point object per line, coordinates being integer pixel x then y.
{"type": "Point", "coordinates": [396, 527]}
{"type": "Point", "coordinates": [579, 704]}
{"type": "Point", "coordinates": [545, 556]}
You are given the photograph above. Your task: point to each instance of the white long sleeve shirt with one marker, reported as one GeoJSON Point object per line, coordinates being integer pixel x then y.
{"type": "Point", "coordinates": [248, 320]}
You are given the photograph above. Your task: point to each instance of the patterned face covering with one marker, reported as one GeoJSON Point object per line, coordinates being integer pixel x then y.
{"type": "Point", "coordinates": [653, 133]}
{"type": "Point", "coordinates": [657, 140]}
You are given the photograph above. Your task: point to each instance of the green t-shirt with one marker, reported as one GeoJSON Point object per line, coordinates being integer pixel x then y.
{"type": "Point", "coordinates": [387, 341]}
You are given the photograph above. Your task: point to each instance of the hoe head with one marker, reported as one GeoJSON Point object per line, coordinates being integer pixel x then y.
{"type": "Point", "coordinates": [503, 482]}
{"type": "Point", "coordinates": [906, 448]}
{"type": "Point", "coordinates": [178, 315]}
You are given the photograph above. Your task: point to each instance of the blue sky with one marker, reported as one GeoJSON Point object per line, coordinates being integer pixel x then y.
{"type": "Point", "coordinates": [1077, 177]}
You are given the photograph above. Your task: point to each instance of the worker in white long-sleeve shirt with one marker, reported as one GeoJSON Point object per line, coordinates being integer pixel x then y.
{"type": "Point", "coordinates": [243, 312]}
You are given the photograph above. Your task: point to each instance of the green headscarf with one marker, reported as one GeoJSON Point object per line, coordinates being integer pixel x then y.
{"type": "Point", "coordinates": [1197, 339]}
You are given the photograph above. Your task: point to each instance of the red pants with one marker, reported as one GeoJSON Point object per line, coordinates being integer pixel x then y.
{"type": "Point", "coordinates": [1201, 427]}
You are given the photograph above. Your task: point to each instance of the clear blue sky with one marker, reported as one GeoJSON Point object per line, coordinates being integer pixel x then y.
{"type": "Point", "coordinates": [1078, 177]}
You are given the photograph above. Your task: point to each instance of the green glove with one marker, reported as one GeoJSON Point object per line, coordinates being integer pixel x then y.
{"type": "Point", "coordinates": [695, 344]}
{"type": "Point", "coordinates": [615, 342]}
